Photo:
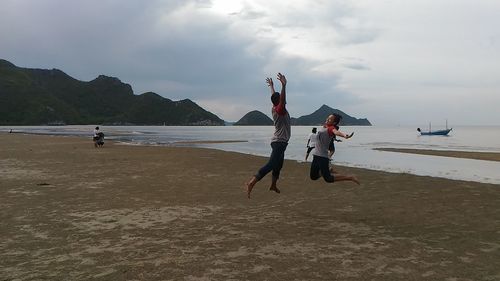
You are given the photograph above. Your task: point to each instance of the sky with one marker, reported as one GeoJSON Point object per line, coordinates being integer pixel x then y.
{"type": "Point", "coordinates": [395, 62]}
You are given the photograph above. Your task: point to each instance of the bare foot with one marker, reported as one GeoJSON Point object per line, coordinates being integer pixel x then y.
{"type": "Point", "coordinates": [250, 186]}
{"type": "Point", "coordinates": [275, 189]}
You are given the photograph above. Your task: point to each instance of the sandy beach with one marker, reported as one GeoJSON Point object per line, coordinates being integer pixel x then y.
{"type": "Point", "coordinates": [74, 212]}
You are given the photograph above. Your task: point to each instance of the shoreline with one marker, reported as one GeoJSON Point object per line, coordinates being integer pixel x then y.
{"type": "Point", "coordinates": [484, 156]}
{"type": "Point", "coordinates": [487, 156]}
{"type": "Point", "coordinates": [71, 211]}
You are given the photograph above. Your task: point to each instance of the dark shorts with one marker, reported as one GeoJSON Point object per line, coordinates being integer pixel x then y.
{"type": "Point", "coordinates": [309, 149]}
{"type": "Point", "coordinates": [320, 166]}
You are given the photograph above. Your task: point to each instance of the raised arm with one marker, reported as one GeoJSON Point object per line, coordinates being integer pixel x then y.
{"type": "Point", "coordinates": [270, 83]}
{"type": "Point", "coordinates": [282, 79]}
{"type": "Point", "coordinates": [341, 134]}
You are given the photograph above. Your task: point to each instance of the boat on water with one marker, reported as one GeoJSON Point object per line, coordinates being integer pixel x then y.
{"type": "Point", "coordinates": [435, 133]}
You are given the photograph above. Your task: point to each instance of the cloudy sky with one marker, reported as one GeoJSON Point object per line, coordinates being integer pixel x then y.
{"type": "Point", "coordinates": [393, 62]}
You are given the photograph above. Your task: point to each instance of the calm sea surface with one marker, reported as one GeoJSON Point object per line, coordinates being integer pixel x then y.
{"type": "Point", "coordinates": [355, 152]}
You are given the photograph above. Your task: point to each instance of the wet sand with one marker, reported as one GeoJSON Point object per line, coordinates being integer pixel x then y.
{"type": "Point", "coordinates": [209, 141]}
{"type": "Point", "coordinates": [73, 212]}
{"type": "Point", "coordinates": [489, 156]}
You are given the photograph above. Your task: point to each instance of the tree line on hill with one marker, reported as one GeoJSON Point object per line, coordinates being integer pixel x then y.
{"type": "Point", "coordinates": [47, 97]}
{"type": "Point", "coordinates": [51, 97]}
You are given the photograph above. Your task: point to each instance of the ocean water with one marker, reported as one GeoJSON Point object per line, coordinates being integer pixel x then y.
{"type": "Point", "coordinates": [355, 152]}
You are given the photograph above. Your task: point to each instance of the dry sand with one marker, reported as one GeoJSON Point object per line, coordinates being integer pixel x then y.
{"type": "Point", "coordinates": [489, 156]}
{"type": "Point", "coordinates": [73, 212]}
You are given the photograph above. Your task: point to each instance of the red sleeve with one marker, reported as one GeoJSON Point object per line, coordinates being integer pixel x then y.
{"type": "Point", "coordinates": [280, 109]}
{"type": "Point", "coordinates": [330, 130]}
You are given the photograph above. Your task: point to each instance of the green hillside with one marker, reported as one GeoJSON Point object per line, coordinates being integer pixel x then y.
{"type": "Point", "coordinates": [319, 116]}
{"type": "Point", "coordinates": [255, 118]}
{"type": "Point", "coordinates": [41, 97]}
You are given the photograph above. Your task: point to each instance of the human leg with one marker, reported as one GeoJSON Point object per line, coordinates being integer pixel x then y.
{"type": "Point", "coordinates": [308, 151]}
{"type": "Point", "coordinates": [324, 167]}
{"type": "Point", "coordinates": [250, 184]}
{"type": "Point", "coordinates": [329, 177]}
{"type": "Point", "coordinates": [274, 186]}
{"type": "Point", "coordinates": [279, 157]}
{"type": "Point", "coordinates": [264, 170]}
{"type": "Point", "coordinates": [339, 177]}
{"type": "Point", "coordinates": [271, 163]}
{"type": "Point", "coordinates": [279, 148]}
{"type": "Point", "coordinates": [314, 171]}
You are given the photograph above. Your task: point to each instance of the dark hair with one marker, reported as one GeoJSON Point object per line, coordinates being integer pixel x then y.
{"type": "Point", "coordinates": [314, 130]}
{"type": "Point", "coordinates": [97, 128]}
{"type": "Point", "coordinates": [338, 118]}
{"type": "Point", "coordinates": [275, 98]}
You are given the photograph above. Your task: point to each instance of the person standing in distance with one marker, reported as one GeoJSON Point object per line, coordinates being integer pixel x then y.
{"type": "Point", "coordinates": [311, 142]}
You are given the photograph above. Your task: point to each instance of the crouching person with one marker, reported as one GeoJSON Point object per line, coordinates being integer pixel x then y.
{"type": "Point", "coordinates": [98, 138]}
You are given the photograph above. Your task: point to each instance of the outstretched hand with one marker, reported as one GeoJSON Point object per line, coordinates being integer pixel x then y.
{"type": "Point", "coordinates": [282, 79]}
{"type": "Point", "coordinates": [269, 82]}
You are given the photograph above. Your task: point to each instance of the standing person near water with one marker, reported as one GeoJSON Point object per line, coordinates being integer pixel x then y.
{"type": "Point", "coordinates": [311, 142]}
{"type": "Point", "coordinates": [96, 136]}
{"type": "Point", "coordinates": [279, 142]}
{"type": "Point", "coordinates": [320, 164]}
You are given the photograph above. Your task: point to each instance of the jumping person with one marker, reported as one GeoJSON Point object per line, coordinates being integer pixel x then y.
{"type": "Point", "coordinates": [320, 163]}
{"type": "Point", "coordinates": [331, 145]}
{"type": "Point", "coordinates": [279, 142]}
{"type": "Point", "coordinates": [311, 142]}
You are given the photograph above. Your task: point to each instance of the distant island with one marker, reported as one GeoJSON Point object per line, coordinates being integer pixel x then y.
{"type": "Point", "coordinates": [254, 118]}
{"type": "Point", "coordinates": [318, 117]}
{"type": "Point", "coordinates": [51, 97]}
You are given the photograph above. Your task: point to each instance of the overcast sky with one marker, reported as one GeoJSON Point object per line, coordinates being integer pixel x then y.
{"type": "Point", "coordinates": [393, 62]}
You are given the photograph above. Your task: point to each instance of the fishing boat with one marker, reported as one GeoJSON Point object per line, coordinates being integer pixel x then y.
{"type": "Point", "coordinates": [435, 133]}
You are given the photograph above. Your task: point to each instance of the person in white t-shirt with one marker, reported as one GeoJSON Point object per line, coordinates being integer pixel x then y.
{"type": "Point", "coordinates": [311, 142]}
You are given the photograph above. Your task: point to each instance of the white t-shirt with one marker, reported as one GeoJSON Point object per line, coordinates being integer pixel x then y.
{"type": "Point", "coordinates": [96, 132]}
{"type": "Point", "coordinates": [312, 140]}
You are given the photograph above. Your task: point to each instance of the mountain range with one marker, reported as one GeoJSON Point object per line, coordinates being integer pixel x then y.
{"type": "Point", "coordinates": [51, 97]}
{"type": "Point", "coordinates": [316, 118]}
{"type": "Point", "coordinates": [45, 97]}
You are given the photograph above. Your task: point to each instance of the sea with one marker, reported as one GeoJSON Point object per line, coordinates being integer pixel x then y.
{"type": "Point", "coordinates": [355, 152]}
